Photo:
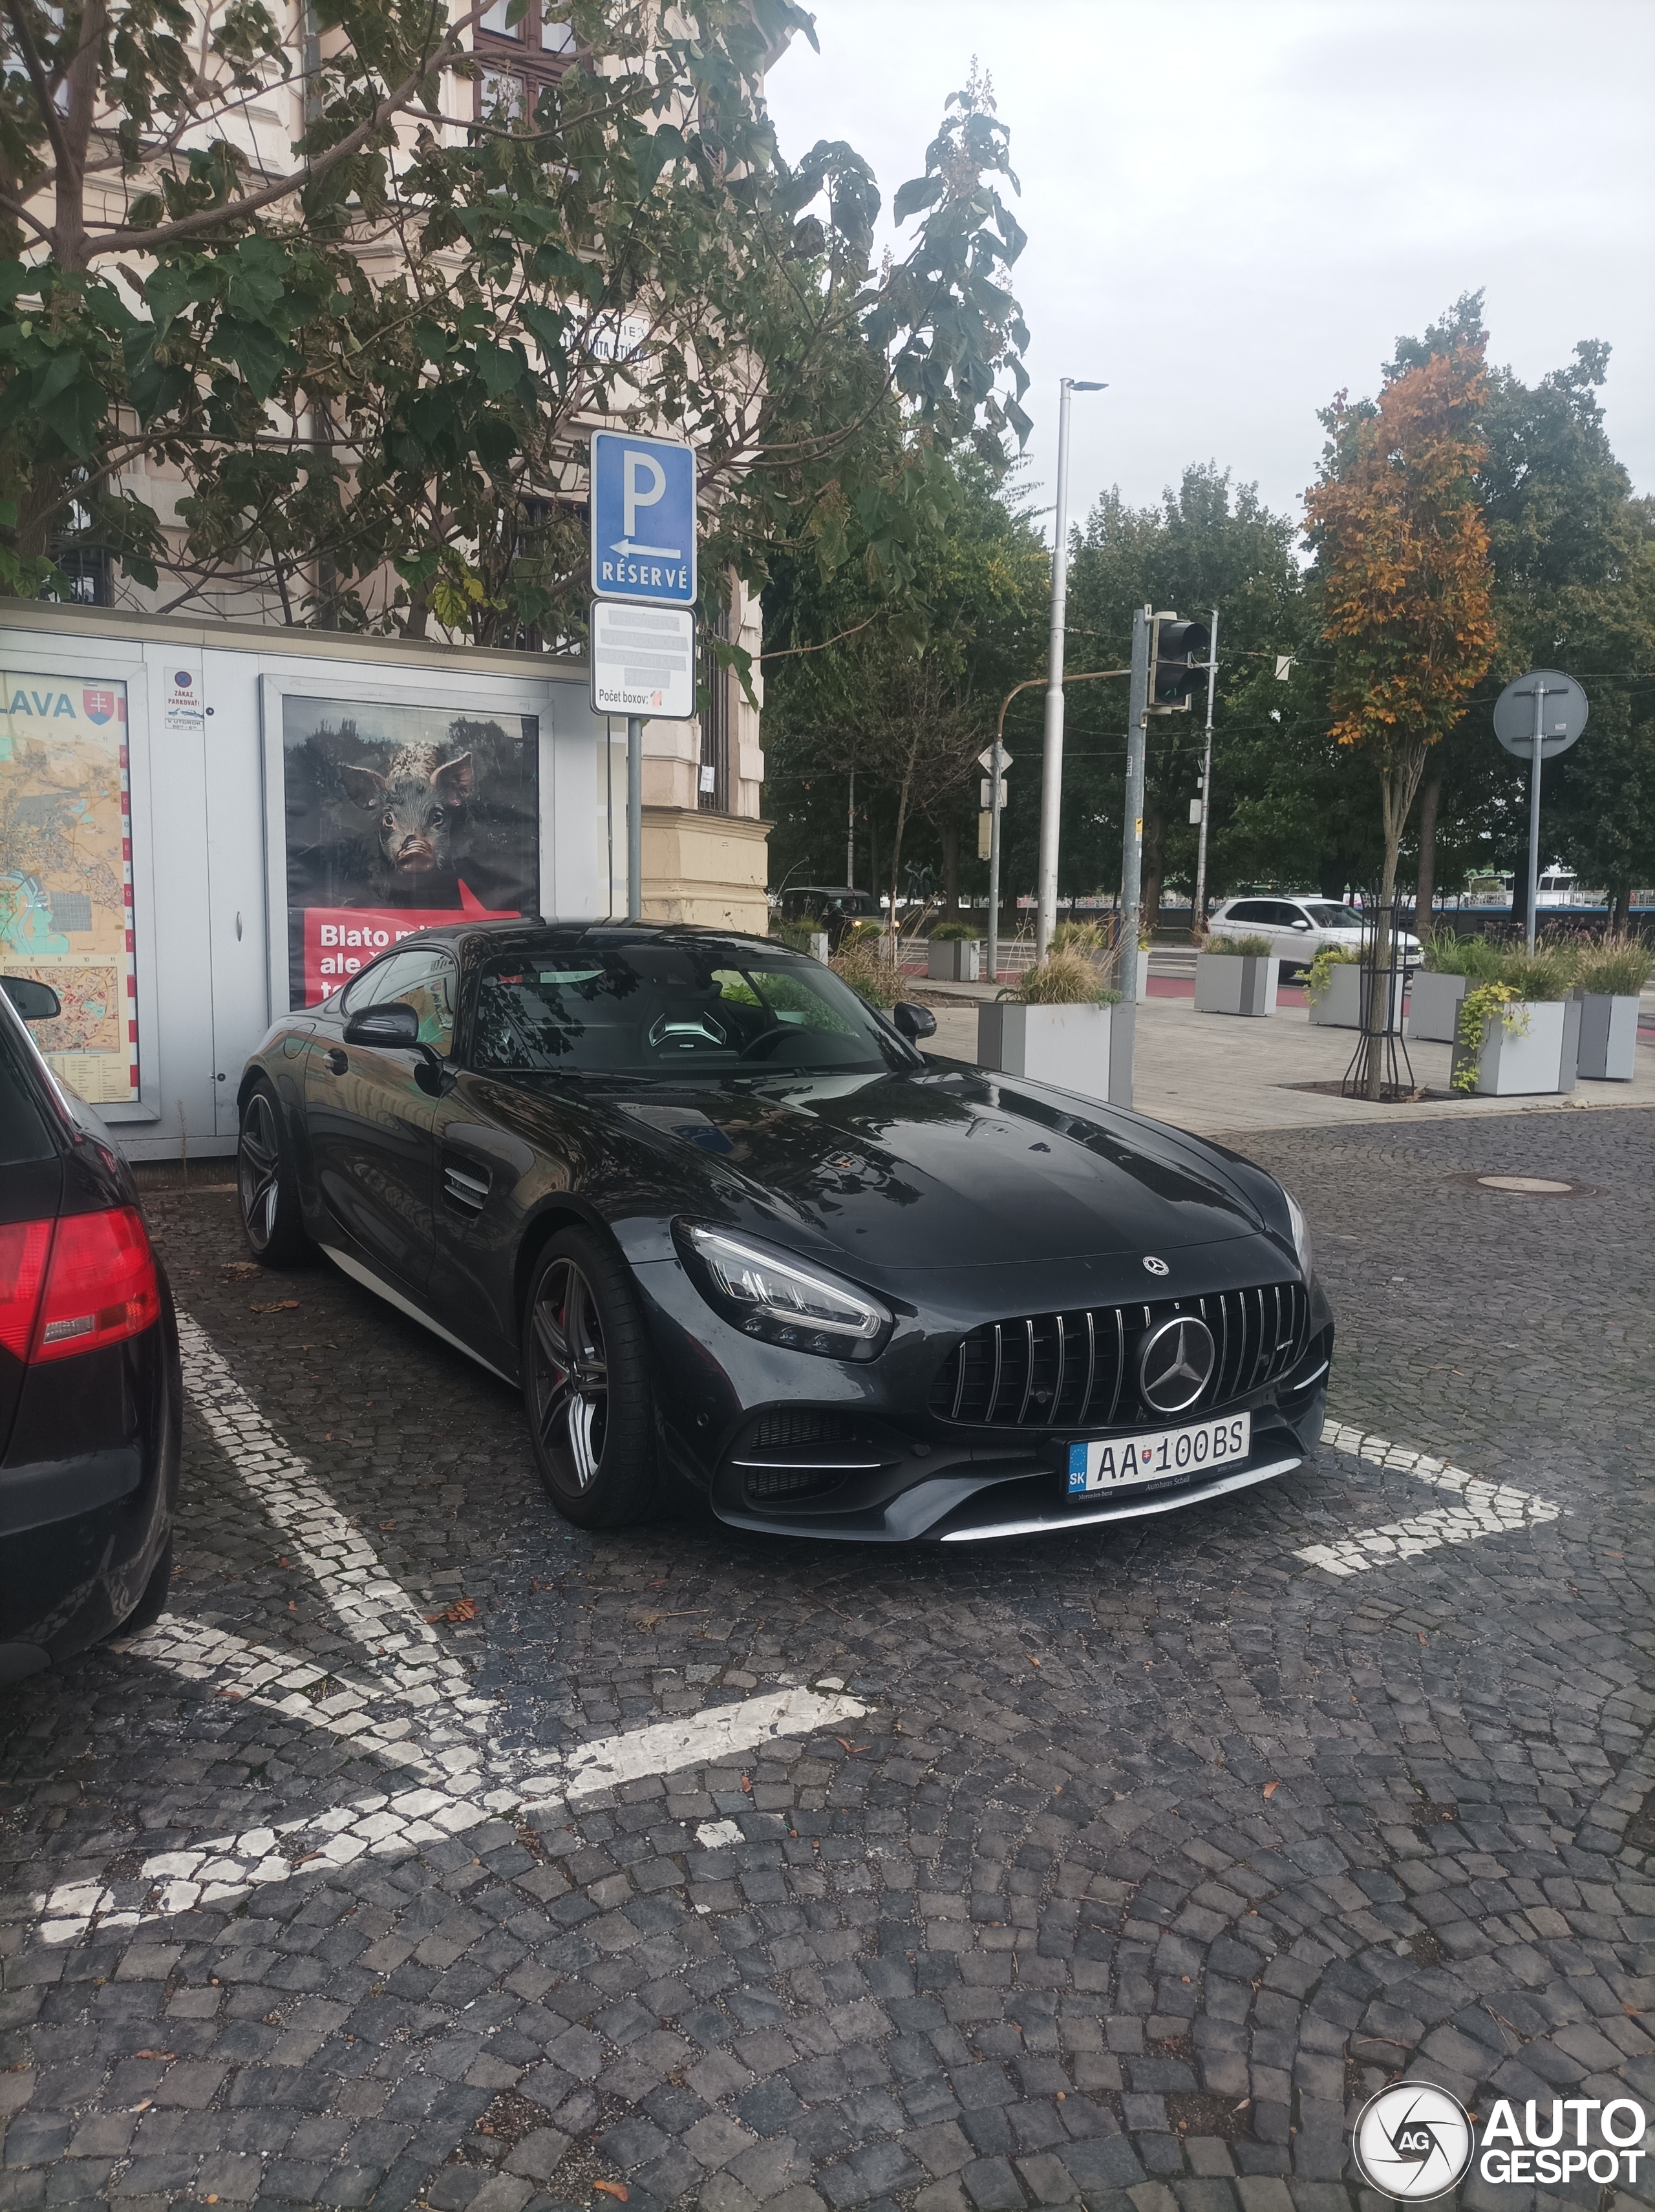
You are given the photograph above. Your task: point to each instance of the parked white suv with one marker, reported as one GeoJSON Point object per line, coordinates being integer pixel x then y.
{"type": "Point", "coordinates": [1298, 928]}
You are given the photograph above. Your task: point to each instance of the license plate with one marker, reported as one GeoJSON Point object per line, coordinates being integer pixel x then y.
{"type": "Point", "coordinates": [1160, 1453]}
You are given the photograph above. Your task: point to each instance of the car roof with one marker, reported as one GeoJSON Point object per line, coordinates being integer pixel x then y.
{"type": "Point", "coordinates": [526, 929]}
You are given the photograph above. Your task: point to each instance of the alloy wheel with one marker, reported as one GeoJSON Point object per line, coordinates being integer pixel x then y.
{"type": "Point", "coordinates": [258, 1170]}
{"type": "Point", "coordinates": [571, 1375]}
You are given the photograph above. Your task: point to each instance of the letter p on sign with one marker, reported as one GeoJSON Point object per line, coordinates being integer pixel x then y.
{"type": "Point", "coordinates": [634, 468]}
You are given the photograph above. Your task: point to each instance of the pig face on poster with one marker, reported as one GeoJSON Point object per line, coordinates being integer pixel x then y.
{"type": "Point", "coordinates": [399, 818]}
{"type": "Point", "coordinates": [419, 801]}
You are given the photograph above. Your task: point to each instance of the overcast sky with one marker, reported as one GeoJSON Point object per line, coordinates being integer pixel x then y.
{"type": "Point", "coordinates": [1329, 173]}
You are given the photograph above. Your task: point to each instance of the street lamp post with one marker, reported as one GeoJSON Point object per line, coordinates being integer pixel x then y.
{"type": "Point", "coordinates": [1051, 766]}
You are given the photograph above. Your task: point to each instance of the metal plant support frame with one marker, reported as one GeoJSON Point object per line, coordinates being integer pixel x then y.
{"type": "Point", "coordinates": [1383, 964]}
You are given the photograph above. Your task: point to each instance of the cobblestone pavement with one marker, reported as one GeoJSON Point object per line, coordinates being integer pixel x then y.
{"type": "Point", "coordinates": [683, 1867]}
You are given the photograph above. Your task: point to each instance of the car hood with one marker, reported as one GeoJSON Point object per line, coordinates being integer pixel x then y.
{"type": "Point", "coordinates": [948, 1170]}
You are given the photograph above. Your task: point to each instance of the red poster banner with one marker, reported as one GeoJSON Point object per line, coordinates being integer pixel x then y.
{"type": "Point", "coordinates": [340, 940]}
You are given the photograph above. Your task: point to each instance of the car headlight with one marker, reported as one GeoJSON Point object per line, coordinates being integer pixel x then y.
{"type": "Point", "coordinates": [784, 1303]}
{"type": "Point", "coordinates": [1301, 1234]}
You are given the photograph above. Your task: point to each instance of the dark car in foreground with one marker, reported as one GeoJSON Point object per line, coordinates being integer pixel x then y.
{"type": "Point", "coordinates": [719, 1219]}
{"type": "Point", "coordinates": [89, 1385]}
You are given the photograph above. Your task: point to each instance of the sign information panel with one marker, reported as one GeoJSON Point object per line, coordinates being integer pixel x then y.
{"type": "Point", "coordinates": [66, 873]}
{"type": "Point", "coordinates": [643, 661]}
{"type": "Point", "coordinates": [643, 519]}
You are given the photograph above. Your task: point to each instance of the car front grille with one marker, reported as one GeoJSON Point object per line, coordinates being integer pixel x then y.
{"type": "Point", "coordinates": [1079, 1370]}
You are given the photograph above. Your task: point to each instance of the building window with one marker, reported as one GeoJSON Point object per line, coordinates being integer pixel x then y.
{"type": "Point", "coordinates": [518, 59]}
{"type": "Point", "coordinates": [713, 791]}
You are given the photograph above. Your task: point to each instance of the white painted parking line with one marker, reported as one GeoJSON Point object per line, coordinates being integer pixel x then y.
{"type": "Point", "coordinates": [1482, 1508]}
{"type": "Point", "coordinates": [415, 1711]}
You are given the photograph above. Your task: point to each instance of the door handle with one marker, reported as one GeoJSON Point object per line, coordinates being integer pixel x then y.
{"type": "Point", "coordinates": [335, 1062]}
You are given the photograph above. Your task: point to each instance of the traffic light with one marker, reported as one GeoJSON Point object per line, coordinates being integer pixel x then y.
{"type": "Point", "coordinates": [1179, 654]}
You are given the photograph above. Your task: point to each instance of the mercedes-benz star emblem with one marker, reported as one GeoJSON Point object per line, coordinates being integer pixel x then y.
{"type": "Point", "coordinates": [1176, 1364]}
{"type": "Point", "coordinates": [1156, 1266]}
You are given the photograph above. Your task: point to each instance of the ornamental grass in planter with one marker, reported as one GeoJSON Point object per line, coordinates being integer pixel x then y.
{"type": "Point", "coordinates": [1336, 988]}
{"type": "Point", "coordinates": [952, 953]}
{"type": "Point", "coordinates": [1449, 966]}
{"type": "Point", "coordinates": [1518, 1034]}
{"type": "Point", "coordinates": [1236, 976]}
{"type": "Point", "coordinates": [1609, 972]}
{"type": "Point", "coordinates": [1054, 1025]}
{"type": "Point", "coordinates": [868, 967]}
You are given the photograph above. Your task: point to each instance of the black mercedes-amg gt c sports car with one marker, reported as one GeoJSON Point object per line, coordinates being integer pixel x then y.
{"type": "Point", "coordinates": [718, 1218]}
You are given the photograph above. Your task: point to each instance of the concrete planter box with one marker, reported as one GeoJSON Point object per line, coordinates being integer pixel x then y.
{"type": "Point", "coordinates": [955, 960]}
{"type": "Point", "coordinates": [1609, 1037]}
{"type": "Point", "coordinates": [1236, 984]}
{"type": "Point", "coordinates": [1340, 1007]}
{"type": "Point", "coordinates": [1433, 1007]}
{"type": "Point", "coordinates": [819, 945]}
{"type": "Point", "coordinates": [1543, 1060]}
{"type": "Point", "coordinates": [1070, 1046]}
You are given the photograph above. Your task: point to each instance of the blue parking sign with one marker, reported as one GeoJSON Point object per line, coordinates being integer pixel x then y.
{"type": "Point", "coordinates": [643, 518]}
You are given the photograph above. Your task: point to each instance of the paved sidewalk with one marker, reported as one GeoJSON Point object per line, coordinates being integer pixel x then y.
{"type": "Point", "coordinates": [1209, 1073]}
{"type": "Point", "coordinates": [435, 1854]}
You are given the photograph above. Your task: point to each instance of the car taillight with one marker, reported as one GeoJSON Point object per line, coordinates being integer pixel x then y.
{"type": "Point", "coordinates": [73, 1285]}
{"type": "Point", "coordinates": [23, 1247]}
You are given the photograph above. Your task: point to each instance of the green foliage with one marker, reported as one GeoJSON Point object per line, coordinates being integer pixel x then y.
{"type": "Point", "coordinates": [1479, 1010]}
{"type": "Point", "coordinates": [795, 934]}
{"type": "Point", "coordinates": [381, 363]}
{"type": "Point", "coordinates": [955, 932]}
{"type": "Point", "coordinates": [863, 964]}
{"type": "Point", "coordinates": [1319, 975]}
{"type": "Point", "coordinates": [1062, 978]}
{"type": "Point", "coordinates": [1244, 947]}
{"type": "Point", "coordinates": [1614, 966]}
{"type": "Point", "coordinates": [1444, 952]}
{"type": "Point", "coordinates": [1548, 972]}
{"type": "Point", "coordinates": [1079, 937]}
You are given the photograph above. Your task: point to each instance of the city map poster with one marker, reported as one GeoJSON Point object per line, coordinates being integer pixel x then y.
{"type": "Point", "coordinates": [398, 818]}
{"type": "Point", "coordinates": [66, 874]}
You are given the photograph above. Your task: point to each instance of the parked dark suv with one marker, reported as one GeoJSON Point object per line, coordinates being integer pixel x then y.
{"type": "Point", "coordinates": [90, 1383]}
{"type": "Point", "coordinates": [832, 907]}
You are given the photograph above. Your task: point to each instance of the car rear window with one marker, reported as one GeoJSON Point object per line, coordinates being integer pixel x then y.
{"type": "Point", "coordinates": [25, 1133]}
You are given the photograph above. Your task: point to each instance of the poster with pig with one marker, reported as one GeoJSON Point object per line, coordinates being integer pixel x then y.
{"type": "Point", "coordinates": [398, 818]}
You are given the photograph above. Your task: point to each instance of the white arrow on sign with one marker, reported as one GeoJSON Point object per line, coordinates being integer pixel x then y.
{"type": "Point", "coordinates": [660, 552]}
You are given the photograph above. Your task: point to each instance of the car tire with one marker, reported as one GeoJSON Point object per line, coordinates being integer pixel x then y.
{"type": "Point", "coordinates": [151, 1606]}
{"type": "Point", "coordinates": [587, 1385]}
{"type": "Point", "coordinates": [267, 1186]}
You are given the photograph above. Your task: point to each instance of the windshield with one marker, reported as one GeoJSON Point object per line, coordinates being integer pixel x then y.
{"type": "Point", "coordinates": [661, 1010]}
{"type": "Point", "coordinates": [1334, 917]}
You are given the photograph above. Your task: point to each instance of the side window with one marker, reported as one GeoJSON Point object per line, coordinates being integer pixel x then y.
{"type": "Point", "coordinates": [423, 979]}
{"type": "Point", "coordinates": [428, 985]}
{"type": "Point", "coordinates": [1248, 910]}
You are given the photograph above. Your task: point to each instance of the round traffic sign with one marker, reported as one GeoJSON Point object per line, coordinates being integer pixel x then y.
{"type": "Point", "coordinates": [1562, 713]}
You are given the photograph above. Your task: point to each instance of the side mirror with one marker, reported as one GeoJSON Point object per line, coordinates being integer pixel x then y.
{"type": "Point", "coordinates": [34, 1002]}
{"type": "Point", "coordinates": [913, 1022]}
{"type": "Point", "coordinates": [1301, 923]}
{"type": "Point", "coordinates": [394, 1026]}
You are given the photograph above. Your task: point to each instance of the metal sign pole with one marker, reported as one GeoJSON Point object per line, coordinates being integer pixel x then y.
{"type": "Point", "coordinates": [994, 774]}
{"type": "Point", "coordinates": [1534, 803]}
{"type": "Point", "coordinates": [1132, 828]}
{"type": "Point", "coordinates": [1198, 918]}
{"type": "Point", "coordinates": [635, 818]}
{"type": "Point", "coordinates": [1051, 766]}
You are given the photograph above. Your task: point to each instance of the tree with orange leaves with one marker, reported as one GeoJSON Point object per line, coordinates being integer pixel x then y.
{"type": "Point", "coordinates": [1402, 558]}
